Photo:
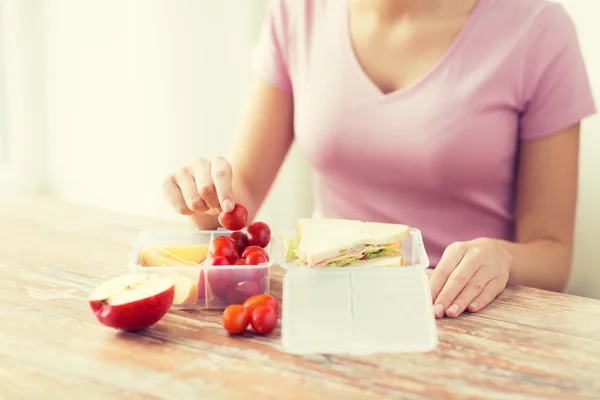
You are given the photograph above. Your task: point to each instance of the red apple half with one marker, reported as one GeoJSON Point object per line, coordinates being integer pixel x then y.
{"type": "Point", "coordinates": [132, 302]}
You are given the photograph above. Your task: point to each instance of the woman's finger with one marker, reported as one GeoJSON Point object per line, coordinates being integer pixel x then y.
{"type": "Point", "coordinates": [450, 259]}
{"type": "Point", "coordinates": [471, 290]}
{"type": "Point", "coordinates": [204, 185]}
{"type": "Point", "coordinates": [187, 184]}
{"type": "Point", "coordinates": [172, 193]}
{"type": "Point", "coordinates": [456, 282]}
{"type": "Point", "coordinates": [222, 178]}
{"type": "Point", "coordinates": [487, 295]}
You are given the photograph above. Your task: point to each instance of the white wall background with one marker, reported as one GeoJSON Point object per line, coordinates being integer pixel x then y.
{"type": "Point", "coordinates": [138, 88]}
{"type": "Point", "coordinates": [108, 97]}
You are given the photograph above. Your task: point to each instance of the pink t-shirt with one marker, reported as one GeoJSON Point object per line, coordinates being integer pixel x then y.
{"type": "Point", "coordinates": [439, 155]}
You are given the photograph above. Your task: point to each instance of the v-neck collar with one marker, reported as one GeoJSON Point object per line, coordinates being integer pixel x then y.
{"type": "Point", "coordinates": [362, 75]}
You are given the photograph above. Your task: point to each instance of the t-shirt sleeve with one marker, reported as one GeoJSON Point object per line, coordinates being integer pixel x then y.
{"type": "Point", "coordinates": [557, 92]}
{"type": "Point", "coordinates": [270, 56]}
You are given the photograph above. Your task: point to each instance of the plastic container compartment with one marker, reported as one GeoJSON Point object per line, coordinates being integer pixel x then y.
{"type": "Point", "coordinates": [413, 251]}
{"type": "Point", "coordinates": [359, 310]}
{"type": "Point", "coordinates": [199, 285]}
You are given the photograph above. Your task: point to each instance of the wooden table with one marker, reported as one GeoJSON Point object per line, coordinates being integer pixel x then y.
{"type": "Point", "coordinates": [529, 344]}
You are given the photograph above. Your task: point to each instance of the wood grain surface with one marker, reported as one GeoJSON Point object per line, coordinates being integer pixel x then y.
{"type": "Point", "coordinates": [529, 344]}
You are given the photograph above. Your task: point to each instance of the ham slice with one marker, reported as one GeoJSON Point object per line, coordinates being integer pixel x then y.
{"type": "Point", "coordinates": [356, 251]}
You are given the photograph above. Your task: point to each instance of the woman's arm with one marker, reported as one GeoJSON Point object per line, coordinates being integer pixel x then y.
{"type": "Point", "coordinates": [258, 151]}
{"type": "Point", "coordinates": [545, 211]}
{"type": "Point", "coordinates": [471, 274]}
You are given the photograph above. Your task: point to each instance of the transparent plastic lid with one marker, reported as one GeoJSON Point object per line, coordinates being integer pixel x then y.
{"type": "Point", "coordinates": [357, 311]}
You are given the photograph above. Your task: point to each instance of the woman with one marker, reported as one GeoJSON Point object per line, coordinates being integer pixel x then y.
{"type": "Point", "coordinates": [459, 117]}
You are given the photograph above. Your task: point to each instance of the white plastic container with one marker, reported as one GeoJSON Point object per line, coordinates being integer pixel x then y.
{"type": "Point", "coordinates": [358, 310]}
{"type": "Point", "coordinates": [201, 286]}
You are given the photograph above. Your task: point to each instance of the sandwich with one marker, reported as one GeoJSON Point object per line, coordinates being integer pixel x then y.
{"type": "Point", "coordinates": [326, 242]}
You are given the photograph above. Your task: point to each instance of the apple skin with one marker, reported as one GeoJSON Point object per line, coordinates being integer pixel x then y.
{"type": "Point", "coordinates": [134, 315]}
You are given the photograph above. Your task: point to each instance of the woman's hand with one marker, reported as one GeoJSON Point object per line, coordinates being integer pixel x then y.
{"type": "Point", "coordinates": [469, 276]}
{"type": "Point", "coordinates": [200, 187]}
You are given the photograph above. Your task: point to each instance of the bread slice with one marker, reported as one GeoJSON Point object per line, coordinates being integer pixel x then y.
{"type": "Point", "coordinates": [324, 238]}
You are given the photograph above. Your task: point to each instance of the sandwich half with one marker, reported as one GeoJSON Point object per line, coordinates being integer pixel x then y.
{"type": "Point", "coordinates": [326, 242]}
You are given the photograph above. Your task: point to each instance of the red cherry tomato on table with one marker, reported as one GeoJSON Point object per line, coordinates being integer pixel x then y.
{"type": "Point", "coordinates": [259, 234]}
{"type": "Point", "coordinates": [235, 219]}
{"type": "Point", "coordinates": [261, 300]}
{"type": "Point", "coordinates": [254, 249]}
{"type": "Point", "coordinates": [239, 292]}
{"type": "Point", "coordinates": [223, 246]}
{"type": "Point", "coordinates": [263, 319]}
{"type": "Point", "coordinates": [255, 258]}
{"type": "Point", "coordinates": [235, 319]}
{"type": "Point", "coordinates": [241, 240]}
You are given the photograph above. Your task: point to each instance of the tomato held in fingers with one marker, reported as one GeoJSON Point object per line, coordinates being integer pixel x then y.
{"type": "Point", "coordinates": [223, 246]}
{"type": "Point", "coordinates": [263, 319]}
{"type": "Point", "coordinates": [235, 219]}
{"type": "Point", "coordinates": [261, 300]}
{"type": "Point", "coordinates": [259, 234]}
{"type": "Point", "coordinates": [241, 240]}
{"type": "Point", "coordinates": [239, 292]}
{"type": "Point", "coordinates": [254, 249]}
{"type": "Point", "coordinates": [235, 319]}
{"type": "Point", "coordinates": [255, 259]}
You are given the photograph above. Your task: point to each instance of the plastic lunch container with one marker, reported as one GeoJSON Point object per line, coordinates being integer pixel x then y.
{"type": "Point", "coordinates": [413, 251]}
{"type": "Point", "coordinates": [199, 285]}
{"type": "Point", "coordinates": [358, 310]}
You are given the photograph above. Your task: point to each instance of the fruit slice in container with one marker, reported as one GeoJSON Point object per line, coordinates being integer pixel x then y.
{"type": "Point", "coordinates": [194, 253]}
{"type": "Point", "coordinates": [132, 302]}
{"type": "Point", "coordinates": [157, 256]}
{"type": "Point", "coordinates": [186, 289]}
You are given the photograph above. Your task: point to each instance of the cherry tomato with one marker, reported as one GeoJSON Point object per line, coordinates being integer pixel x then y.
{"type": "Point", "coordinates": [255, 258]}
{"type": "Point", "coordinates": [219, 279]}
{"type": "Point", "coordinates": [201, 286]}
{"type": "Point", "coordinates": [254, 249]}
{"type": "Point", "coordinates": [232, 240]}
{"type": "Point", "coordinates": [225, 247]}
{"type": "Point", "coordinates": [239, 261]}
{"type": "Point", "coordinates": [263, 319]}
{"type": "Point", "coordinates": [259, 234]}
{"type": "Point", "coordinates": [239, 292]}
{"type": "Point", "coordinates": [241, 240]}
{"type": "Point", "coordinates": [235, 219]}
{"type": "Point", "coordinates": [235, 319]}
{"type": "Point", "coordinates": [247, 274]}
{"type": "Point", "coordinates": [219, 260]}
{"type": "Point", "coordinates": [261, 300]}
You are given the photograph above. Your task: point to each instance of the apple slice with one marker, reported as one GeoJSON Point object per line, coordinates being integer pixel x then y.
{"type": "Point", "coordinates": [132, 302]}
{"type": "Point", "coordinates": [186, 290]}
{"type": "Point", "coordinates": [195, 253]}
{"type": "Point", "coordinates": [156, 256]}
